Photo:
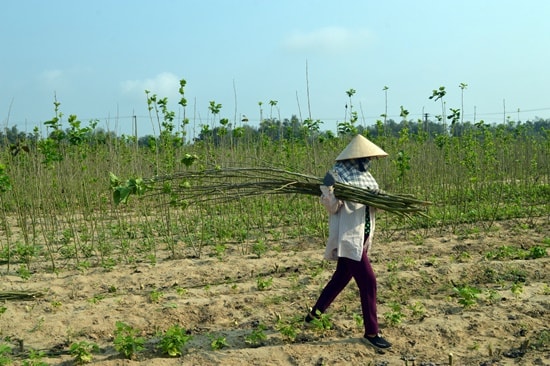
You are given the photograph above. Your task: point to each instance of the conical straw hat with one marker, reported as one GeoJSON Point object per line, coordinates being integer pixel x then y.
{"type": "Point", "coordinates": [361, 147]}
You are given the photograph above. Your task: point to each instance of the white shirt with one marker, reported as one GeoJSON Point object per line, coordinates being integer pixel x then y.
{"type": "Point", "coordinates": [347, 228]}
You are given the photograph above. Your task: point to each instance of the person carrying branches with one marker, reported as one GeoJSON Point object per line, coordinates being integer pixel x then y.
{"type": "Point", "coordinates": [351, 230]}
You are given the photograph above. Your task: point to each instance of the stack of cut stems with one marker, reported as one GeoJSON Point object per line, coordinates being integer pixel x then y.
{"type": "Point", "coordinates": [229, 184]}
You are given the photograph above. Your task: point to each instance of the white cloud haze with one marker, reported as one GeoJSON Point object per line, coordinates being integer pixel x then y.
{"type": "Point", "coordinates": [329, 40]}
{"type": "Point", "coordinates": [164, 84]}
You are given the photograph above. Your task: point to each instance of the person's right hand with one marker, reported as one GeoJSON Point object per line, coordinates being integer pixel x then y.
{"type": "Point", "coordinates": [329, 200]}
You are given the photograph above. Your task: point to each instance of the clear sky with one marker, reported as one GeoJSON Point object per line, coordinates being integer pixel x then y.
{"type": "Point", "coordinates": [97, 57]}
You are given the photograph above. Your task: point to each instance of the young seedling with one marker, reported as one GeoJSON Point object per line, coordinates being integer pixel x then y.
{"type": "Point", "coordinates": [358, 318]}
{"type": "Point", "coordinates": [517, 289]}
{"type": "Point", "coordinates": [264, 284]}
{"type": "Point", "coordinates": [418, 310]}
{"type": "Point", "coordinates": [82, 352]}
{"type": "Point", "coordinates": [220, 250]}
{"type": "Point", "coordinates": [542, 341]}
{"type": "Point", "coordinates": [155, 296]}
{"type": "Point", "coordinates": [174, 340]}
{"type": "Point", "coordinates": [395, 315]}
{"type": "Point", "coordinates": [321, 322]}
{"type": "Point", "coordinates": [34, 359]}
{"type": "Point", "coordinates": [217, 343]}
{"type": "Point", "coordinates": [5, 352]}
{"type": "Point", "coordinates": [127, 340]}
{"type": "Point", "coordinates": [467, 295]}
{"type": "Point", "coordinates": [257, 337]}
{"type": "Point", "coordinates": [24, 272]}
{"type": "Point", "coordinates": [259, 248]}
{"type": "Point", "coordinates": [287, 329]}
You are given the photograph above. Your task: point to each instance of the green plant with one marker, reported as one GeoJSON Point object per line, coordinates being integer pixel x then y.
{"type": "Point", "coordinates": [97, 298]}
{"type": "Point", "coordinates": [263, 283]}
{"type": "Point", "coordinates": [5, 181]}
{"type": "Point", "coordinates": [394, 316]}
{"type": "Point", "coordinates": [492, 296]}
{"type": "Point", "coordinates": [537, 252]}
{"type": "Point", "coordinates": [409, 263]}
{"type": "Point", "coordinates": [542, 341]}
{"type": "Point", "coordinates": [257, 337]}
{"type": "Point", "coordinates": [155, 296]}
{"type": "Point", "coordinates": [259, 248]}
{"type": "Point", "coordinates": [321, 321]}
{"type": "Point", "coordinates": [418, 310]}
{"type": "Point", "coordinates": [462, 257]}
{"type": "Point", "coordinates": [220, 250]}
{"type": "Point", "coordinates": [517, 288]}
{"type": "Point", "coordinates": [174, 340]}
{"type": "Point", "coordinates": [358, 319]}
{"type": "Point", "coordinates": [35, 358]}
{"type": "Point", "coordinates": [467, 295]}
{"type": "Point", "coordinates": [24, 272]}
{"type": "Point", "coordinates": [5, 352]}
{"type": "Point", "coordinates": [348, 127]}
{"type": "Point", "coordinates": [127, 340]}
{"type": "Point", "coordinates": [218, 342]}
{"type": "Point", "coordinates": [392, 265]}
{"type": "Point", "coordinates": [438, 94]}
{"type": "Point", "coordinates": [505, 252]}
{"type": "Point", "coordinates": [82, 352]}
{"type": "Point", "coordinates": [287, 329]}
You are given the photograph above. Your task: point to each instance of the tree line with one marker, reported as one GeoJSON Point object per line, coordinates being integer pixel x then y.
{"type": "Point", "coordinates": [272, 129]}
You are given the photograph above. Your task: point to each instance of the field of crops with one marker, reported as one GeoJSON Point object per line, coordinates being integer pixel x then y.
{"type": "Point", "coordinates": [158, 279]}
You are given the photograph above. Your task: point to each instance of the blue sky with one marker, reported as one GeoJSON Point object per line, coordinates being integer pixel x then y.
{"type": "Point", "coordinates": [97, 57]}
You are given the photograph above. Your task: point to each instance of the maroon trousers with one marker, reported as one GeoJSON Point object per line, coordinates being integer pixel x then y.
{"type": "Point", "coordinates": [362, 273]}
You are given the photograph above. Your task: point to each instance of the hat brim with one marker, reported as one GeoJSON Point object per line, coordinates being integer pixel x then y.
{"type": "Point", "coordinates": [361, 147]}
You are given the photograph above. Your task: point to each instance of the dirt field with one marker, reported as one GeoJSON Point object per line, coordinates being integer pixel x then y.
{"type": "Point", "coordinates": [216, 298]}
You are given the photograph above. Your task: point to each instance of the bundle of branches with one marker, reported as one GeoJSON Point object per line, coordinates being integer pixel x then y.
{"type": "Point", "coordinates": [228, 184]}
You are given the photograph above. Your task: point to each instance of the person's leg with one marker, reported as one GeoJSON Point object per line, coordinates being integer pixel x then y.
{"type": "Point", "coordinates": [366, 281]}
{"type": "Point", "coordinates": [337, 283]}
{"type": "Point", "coordinates": [365, 278]}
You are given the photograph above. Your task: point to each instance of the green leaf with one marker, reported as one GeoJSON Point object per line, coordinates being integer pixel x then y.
{"type": "Point", "coordinates": [189, 159]}
{"type": "Point", "coordinates": [113, 179]}
{"type": "Point", "coordinates": [121, 194]}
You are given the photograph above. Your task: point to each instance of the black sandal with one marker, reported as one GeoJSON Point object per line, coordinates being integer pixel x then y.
{"type": "Point", "coordinates": [310, 317]}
